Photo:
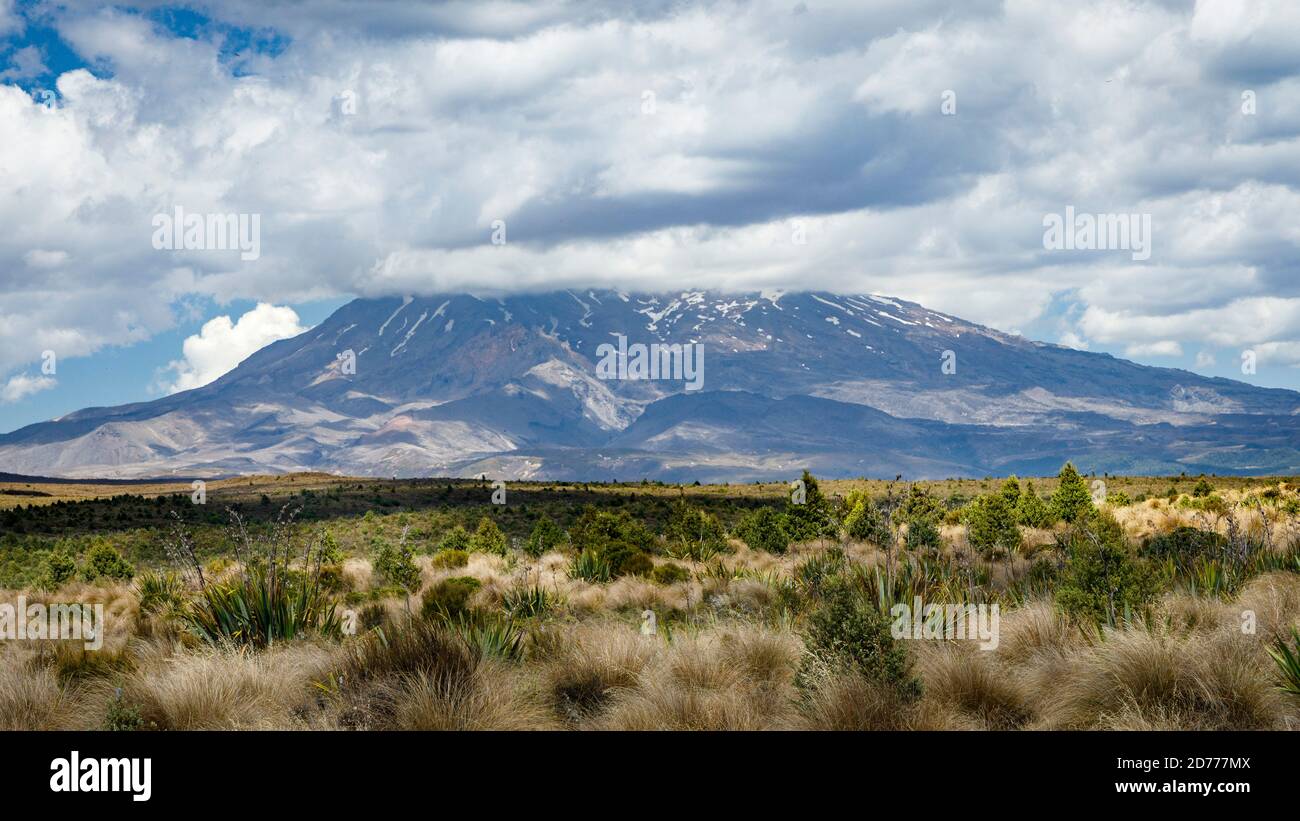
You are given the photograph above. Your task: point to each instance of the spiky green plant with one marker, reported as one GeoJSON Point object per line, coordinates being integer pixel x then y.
{"type": "Point", "coordinates": [271, 599]}
{"type": "Point", "coordinates": [160, 593]}
{"type": "Point", "coordinates": [262, 607]}
{"type": "Point", "coordinates": [489, 635]}
{"type": "Point", "coordinates": [590, 566]}
{"type": "Point", "coordinates": [528, 601]}
{"type": "Point", "coordinates": [1288, 662]}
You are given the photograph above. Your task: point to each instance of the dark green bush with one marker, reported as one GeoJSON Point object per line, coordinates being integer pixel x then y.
{"type": "Point", "coordinates": [1071, 501]}
{"type": "Point", "coordinates": [764, 529]}
{"type": "Point", "coordinates": [865, 523]}
{"type": "Point", "coordinates": [847, 632]}
{"type": "Point", "coordinates": [59, 570]}
{"type": "Point", "coordinates": [1031, 510]}
{"type": "Point", "coordinates": [488, 538]}
{"type": "Point", "coordinates": [923, 536]}
{"type": "Point", "coordinates": [449, 598]}
{"type": "Point", "coordinates": [693, 533]}
{"type": "Point", "coordinates": [992, 527]}
{"type": "Point", "coordinates": [455, 539]}
{"type": "Point", "coordinates": [395, 565]}
{"type": "Point", "coordinates": [1184, 543]}
{"type": "Point", "coordinates": [595, 529]}
{"type": "Point", "coordinates": [1102, 582]}
{"type": "Point", "coordinates": [814, 518]}
{"type": "Point", "coordinates": [450, 559]}
{"type": "Point", "coordinates": [638, 564]}
{"type": "Point", "coordinates": [546, 536]}
{"type": "Point", "coordinates": [103, 561]}
{"type": "Point", "coordinates": [670, 573]}
{"type": "Point", "coordinates": [920, 504]}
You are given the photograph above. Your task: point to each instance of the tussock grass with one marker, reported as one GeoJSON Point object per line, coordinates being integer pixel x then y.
{"type": "Point", "coordinates": [33, 698]}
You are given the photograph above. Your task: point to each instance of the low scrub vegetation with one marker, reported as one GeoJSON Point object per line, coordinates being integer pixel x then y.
{"type": "Point", "coordinates": [1134, 611]}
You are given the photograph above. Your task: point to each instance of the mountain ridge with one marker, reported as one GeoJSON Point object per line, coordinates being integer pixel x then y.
{"type": "Point", "coordinates": [458, 385]}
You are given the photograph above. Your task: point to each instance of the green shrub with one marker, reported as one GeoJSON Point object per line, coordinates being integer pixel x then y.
{"type": "Point", "coordinates": [1031, 510]}
{"type": "Point", "coordinates": [1184, 543]}
{"type": "Point", "coordinates": [638, 564]}
{"type": "Point", "coordinates": [670, 573]}
{"type": "Point", "coordinates": [1101, 582]}
{"type": "Point", "coordinates": [488, 538]}
{"type": "Point", "coordinates": [865, 523]}
{"type": "Point", "coordinates": [546, 536]}
{"type": "Point", "coordinates": [1071, 501]}
{"type": "Point", "coordinates": [693, 533]}
{"type": "Point", "coordinates": [992, 526]}
{"type": "Point", "coordinates": [122, 717]}
{"type": "Point", "coordinates": [848, 632]}
{"type": "Point", "coordinates": [330, 552]}
{"type": "Point", "coordinates": [1213, 503]}
{"type": "Point", "coordinates": [1011, 491]}
{"type": "Point", "coordinates": [1202, 488]}
{"type": "Point", "coordinates": [596, 529]}
{"type": "Point", "coordinates": [920, 504]}
{"type": "Point", "coordinates": [815, 518]}
{"type": "Point", "coordinates": [449, 598]}
{"type": "Point", "coordinates": [1118, 498]}
{"type": "Point", "coordinates": [59, 570]}
{"type": "Point", "coordinates": [395, 565]}
{"type": "Point", "coordinates": [764, 529]}
{"type": "Point", "coordinates": [455, 539]}
{"type": "Point", "coordinates": [450, 559]}
{"type": "Point", "coordinates": [103, 561]}
{"type": "Point", "coordinates": [923, 536]}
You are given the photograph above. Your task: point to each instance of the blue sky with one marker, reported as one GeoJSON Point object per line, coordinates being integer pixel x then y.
{"type": "Point", "coordinates": [643, 146]}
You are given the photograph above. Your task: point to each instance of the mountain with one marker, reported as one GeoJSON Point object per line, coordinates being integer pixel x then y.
{"type": "Point", "coordinates": [457, 385]}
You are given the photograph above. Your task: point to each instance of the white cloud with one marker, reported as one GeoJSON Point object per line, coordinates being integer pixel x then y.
{"type": "Point", "coordinates": [221, 344]}
{"type": "Point", "coordinates": [1279, 353]}
{"type": "Point", "coordinates": [39, 258]}
{"type": "Point", "coordinates": [1166, 347]}
{"type": "Point", "coordinates": [28, 61]}
{"type": "Point", "coordinates": [21, 385]}
{"type": "Point", "coordinates": [470, 112]}
{"type": "Point", "coordinates": [1205, 359]}
{"type": "Point", "coordinates": [1070, 339]}
{"type": "Point", "coordinates": [9, 19]}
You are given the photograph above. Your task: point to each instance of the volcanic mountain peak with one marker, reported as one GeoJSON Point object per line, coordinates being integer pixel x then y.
{"type": "Point", "coordinates": [455, 384]}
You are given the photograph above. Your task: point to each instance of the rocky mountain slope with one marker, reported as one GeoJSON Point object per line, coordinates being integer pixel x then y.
{"type": "Point", "coordinates": [456, 385]}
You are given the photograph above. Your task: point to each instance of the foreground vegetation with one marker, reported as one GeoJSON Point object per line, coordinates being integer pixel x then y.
{"type": "Point", "coordinates": [1143, 604]}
